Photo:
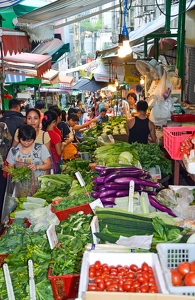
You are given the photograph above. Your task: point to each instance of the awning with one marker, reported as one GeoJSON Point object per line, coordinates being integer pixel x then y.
{"type": "Point", "coordinates": [48, 48]}
{"type": "Point", "coordinates": [66, 81]}
{"type": "Point", "coordinates": [52, 90]}
{"type": "Point", "coordinates": [8, 3]}
{"type": "Point", "coordinates": [89, 85]}
{"type": "Point", "coordinates": [11, 78]}
{"type": "Point", "coordinates": [28, 61]}
{"type": "Point", "coordinates": [14, 41]}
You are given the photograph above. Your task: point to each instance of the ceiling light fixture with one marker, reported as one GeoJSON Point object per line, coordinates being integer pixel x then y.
{"type": "Point", "coordinates": [124, 47]}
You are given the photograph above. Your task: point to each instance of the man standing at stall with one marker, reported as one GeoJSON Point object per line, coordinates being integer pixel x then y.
{"type": "Point", "coordinates": [140, 129]}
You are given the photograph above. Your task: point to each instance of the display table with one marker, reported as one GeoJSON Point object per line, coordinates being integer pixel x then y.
{"type": "Point", "coordinates": [177, 165]}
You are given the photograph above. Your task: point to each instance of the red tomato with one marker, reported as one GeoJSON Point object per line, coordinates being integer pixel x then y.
{"type": "Point", "coordinates": [113, 272]}
{"type": "Point", "coordinates": [145, 274]}
{"type": "Point", "coordinates": [126, 287]}
{"type": "Point", "coordinates": [120, 275]}
{"type": "Point", "coordinates": [176, 278]}
{"type": "Point", "coordinates": [152, 290]}
{"type": "Point", "coordinates": [183, 268]}
{"type": "Point", "coordinates": [108, 282]}
{"type": "Point", "coordinates": [120, 288]}
{"type": "Point", "coordinates": [111, 289]}
{"type": "Point", "coordinates": [136, 284]}
{"type": "Point", "coordinates": [145, 283]}
{"type": "Point", "coordinates": [118, 267]}
{"type": "Point", "coordinates": [91, 274]}
{"type": "Point", "coordinates": [91, 266]}
{"type": "Point", "coordinates": [105, 269]}
{"type": "Point", "coordinates": [144, 289]}
{"type": "Point", "coordinates": [104, 265]}
{"type": "Point", "coordinates": [98, 279]}
{"type": "Point", "coordinates": [93, 287]}
{"type": "Point", "coordinates": [105, 274]}
{"type": "Point", "coordinates": [101, 285]}
{"type": "Point", "coordinates": [150, 268]}
{"type": "Point", "coordinates": [129, 281]}
{"type": "Point", "coordinates": [142, 279]}
{"type": "Point", "coordinates": [139, 272]}
{"type": "Point", "coordinates": [132, 290]}
{"type": "Point", "coordinates": [137, 289]}
{"type": "Point", "coordinates": [153, 286]}
{"type": "Point", "coordinates": [115, 278]}
{"type": "Point", "coordinates": [145, 267]}
{"type": "Point", "coordinates": [130, 275]}
{"type": "Point", "coordinates": [151, 283]}
{"type": "Point", "coordinates": [122, 271]}
{"type": "Point", "coordinates": [97, 265]}
{"type": "Point", "coordinates": [126, 268]}
{"type": "Point", "coordinates": [121, 281]}
{"type": "Point", "coordinates": [133, 268]}
{"type": "Point", "coordinates": [98, 273]}
{"type": "Point", "coordinates": [92, 269]}
{"type": "Point", "coordinates": [190, 278]}
{"type": "Point", "coordinates": [106, 277]}
{"type": "Point", "coordinates": [112, 267]}
{"type": "Point", "coordinates": [115, 285]}
{"type": "Point", "coordinates": [192, 266]}
{"type": "Point", "coordinates": [151, 279]}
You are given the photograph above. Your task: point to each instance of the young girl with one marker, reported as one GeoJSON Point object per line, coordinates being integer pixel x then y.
{"type": "Point", "coordinates": [90, 116]}
{"type": "Point", "coordinates": [49, 122]}
{"type": "Point", "coordinates": [33, 119]}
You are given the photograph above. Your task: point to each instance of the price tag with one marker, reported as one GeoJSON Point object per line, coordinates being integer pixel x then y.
{"type": "Point", "coordinates": [52, 236]}
{"type": "Point", "coordinates": [131, 194]}
{"type": "Point", "coordinates": [80, 178]}
{"type": "Point", "coordinates": [95, 228]}
{"type": "Point", "coordinates": [95, 203]}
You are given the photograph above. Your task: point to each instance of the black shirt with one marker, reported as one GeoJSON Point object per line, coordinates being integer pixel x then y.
{"type": "Point", "coordinates": [63, 127]}
{"type": "Point", "coordinates": [13, 119]}
{"type": "Point", "coordinates": [140, 131]}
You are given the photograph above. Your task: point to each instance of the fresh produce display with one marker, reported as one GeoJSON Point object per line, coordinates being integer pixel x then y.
{"type": "Point", "coordinates": [74, 166]}
{"type": "Point", "coordinates": [148, 155]}
{"type": "Point", "coordinates": [121, 278]}
{"type": "Point", "coordinates": [89, 144]}
{"type": "Point", "coordinates": [71, 201]}
{"type": "Point", "coordinates": [52, 186]}
{"type": "Point", "coordinates": [115, 125]}
{"type": "Point", "coordinates": [113, 224]}
{"type": "Point", "coordinates": [20, 174]}
{"type": "Point", "coordinates": [184, 275]}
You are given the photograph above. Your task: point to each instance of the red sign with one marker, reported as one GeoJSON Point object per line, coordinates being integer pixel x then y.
{"type": "Point", "coordinates": [89, 60]}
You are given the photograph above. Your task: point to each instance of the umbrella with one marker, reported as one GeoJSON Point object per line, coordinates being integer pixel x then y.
{"type": "Point", "coordinates": [89, 85]}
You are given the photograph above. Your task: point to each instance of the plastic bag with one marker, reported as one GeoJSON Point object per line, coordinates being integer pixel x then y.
{"type": "Point", "coordinates": [105, 139]}
{"type": "Point", "coordinates": [183, 209]}
{"type": "Point", "coordinates": [167, 198]}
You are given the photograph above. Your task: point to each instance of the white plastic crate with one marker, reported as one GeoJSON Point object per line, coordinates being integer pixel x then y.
{"type": "Point", "coordinates": [123, 259]}
{"type": "Point", "coordinates": [171, 255]}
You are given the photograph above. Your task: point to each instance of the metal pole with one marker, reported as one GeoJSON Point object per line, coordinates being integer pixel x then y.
{"type": "Point", "coordinates": [1, 46]}
{"type": "Point", "coordinates": [168, 13]}
{"type": "Point", "coordinates": [181, 42]}
{"type": "Point", "coordinates": [156, 48]}
{"type": "Point", "coordinates": [145, 47]}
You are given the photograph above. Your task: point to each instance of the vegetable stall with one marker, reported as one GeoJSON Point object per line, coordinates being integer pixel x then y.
{"type": "Point", "coordinates": [125, 214]}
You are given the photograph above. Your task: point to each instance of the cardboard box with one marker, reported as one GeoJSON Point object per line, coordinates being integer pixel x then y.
{"type": "Point", "coordinates": [123, 259]}
{"type": "Point", "coordinates": [132, 296]}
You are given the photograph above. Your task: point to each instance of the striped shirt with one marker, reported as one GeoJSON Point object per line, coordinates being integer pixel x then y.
{"type": "Point", "coordinates": [39, 138]}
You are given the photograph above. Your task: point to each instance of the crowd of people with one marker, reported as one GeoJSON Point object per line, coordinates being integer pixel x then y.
{"type": "Point", "coordinates": [42, 141]}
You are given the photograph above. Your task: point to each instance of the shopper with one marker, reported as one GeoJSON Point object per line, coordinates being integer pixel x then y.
{"type": "Point", "coordinates": [78, 133]}
{"type": "Point", "coordinates": [132, 99]}
{"type": "Point", "coordinates": [140, 127]}
{"type": "Point", "coordinates": [90, 116]}
{"type": "Point", "coordinates": [40, 105]}
{"type": "Point", "coordinates": [77, 127]}
{"type": "Point", "coordinates": [37, 155]}
{"type": "Point", "coordinates": [64, 115]}
{"type": "Point", "coordinates": [49, 123]}
{"type": "Point", "coordinates": [33, 119]}
{"type": "Point", "coordinates": [12, 117]}
{"type": "Point", "coordinates": [110, 112]}
{"type": "Point", "coordinates": [102, 118]}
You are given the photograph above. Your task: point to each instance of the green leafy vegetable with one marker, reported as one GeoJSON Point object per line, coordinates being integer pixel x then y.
{"type": "Point", "coordinates": [20, 174]}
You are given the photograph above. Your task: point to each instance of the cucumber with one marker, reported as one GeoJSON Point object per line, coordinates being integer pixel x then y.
{"type": "Point", "coordinates": [106, 237]}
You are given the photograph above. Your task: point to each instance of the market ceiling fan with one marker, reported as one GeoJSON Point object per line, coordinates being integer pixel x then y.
{"type": "Point", "coordinates": [150, 70]}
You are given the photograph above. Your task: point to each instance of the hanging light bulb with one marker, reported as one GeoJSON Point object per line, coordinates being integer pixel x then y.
{"type": "Point", "coordinates": [113, 89]}
{"type": "Point", "coordinates": [126, 47]}
{"type": "Point", "coordinates": [142, 80]}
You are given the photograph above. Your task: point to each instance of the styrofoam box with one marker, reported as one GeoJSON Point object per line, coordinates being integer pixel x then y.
{"type": "Point", "coordinates": [177, 187]}
{"type": "Point", "coordinates": [171, 255]}
{"type": "Point", "coordinates": [123, 259]}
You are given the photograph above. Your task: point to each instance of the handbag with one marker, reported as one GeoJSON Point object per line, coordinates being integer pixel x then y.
{"type": "Point", "coordinates": [54, 165]}
{"type": "Point", "coordinates": [69, 152]}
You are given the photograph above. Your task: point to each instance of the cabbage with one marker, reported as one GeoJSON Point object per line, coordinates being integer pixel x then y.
{"type": "Point", "coordinates": [126, 157]}
{"type": "Point", "coordinates": [111, 159]}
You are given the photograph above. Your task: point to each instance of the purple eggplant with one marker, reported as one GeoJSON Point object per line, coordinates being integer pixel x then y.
{"type": "Point", "coordinates": [110, 177]}
{"type": "Point", "coordinates": [102, 188]}
{"type": "Point", "coordinates": [108, 200]}
{"type": "Point", "coordinates": [116, 186]}
{"type": "Point", "coordinates": [107, 171]}
{"type": "Point", "coordinates": [126, 180]}
{"type": "Point", "coordinates": [160, 207]}
{"type": "Point", "coordinates": [100, 180]}
{"type": "Point", "coordinates": [95, 194]}
{"type": "Point", "coordinates": [108, 193]}
{"type": "Point", "coordinates": [108, 205]}
{"type": "Point", "coordinates": [99, 168]}
{"type": "Point", "coordinates": [152, 193]}
{"type": "Point", "coordinates": [95, 188]}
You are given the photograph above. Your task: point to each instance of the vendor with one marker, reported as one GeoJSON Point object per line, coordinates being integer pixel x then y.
{"type": "Point", "coordinates": [132, 99]}
{"type": "Point", "coordinates": [140, 127]}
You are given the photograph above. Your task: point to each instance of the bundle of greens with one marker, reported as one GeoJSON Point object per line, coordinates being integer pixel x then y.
{"type": "Point", "coordinates": [74, 166]}
{"type": "Point", "coordinates": [72, 201]}
{"type": "Point", "coordinates": [20, 174]}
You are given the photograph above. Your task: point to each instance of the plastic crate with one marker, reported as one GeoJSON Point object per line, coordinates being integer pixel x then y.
{"type": "Point", "coordinates": [171, 255]}
{"type": "Point", "coordinates": [11, 221]}
{"type": "Point", "coordinates": [173, 136]}
{"type": "Point", "coordinates": [64, 214]}
{"type": "Point", "coordinates": [183, 118]}
{"type": "Point", "coordinates": [123, 259]}
{"type": "Point", "coordinates": [65, 286]}
{"type": "Point", "coordinates": [2, 259]}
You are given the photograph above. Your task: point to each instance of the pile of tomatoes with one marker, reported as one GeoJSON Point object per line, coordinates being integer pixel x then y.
{"type": "Point", "coordinates": [184, 275]}
{"type": "Point", "coordinates": [121, 279]}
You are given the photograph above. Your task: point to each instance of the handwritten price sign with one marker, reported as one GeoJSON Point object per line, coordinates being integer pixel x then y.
{"type": "Point", "coordinates": [52, 236]}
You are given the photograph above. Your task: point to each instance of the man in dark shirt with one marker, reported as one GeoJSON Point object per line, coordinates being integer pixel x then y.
{"type": "Point", "coordinates": [102, 118]}
{"type": "Point", "coordinates": [12, 117]}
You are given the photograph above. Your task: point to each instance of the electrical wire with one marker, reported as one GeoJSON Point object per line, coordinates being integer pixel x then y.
{"type": "Point", "coordinates": [121, 16]}
{"type": "Point", "coordinates": [130, 4]}
{"type": "Point", "coordinates": [173, 15]}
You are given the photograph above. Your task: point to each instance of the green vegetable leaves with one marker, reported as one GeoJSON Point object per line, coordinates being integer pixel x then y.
{"type": "Point", "coordinates": [163, 234]}
{"type": "Point", "coordinates": [20, 174]}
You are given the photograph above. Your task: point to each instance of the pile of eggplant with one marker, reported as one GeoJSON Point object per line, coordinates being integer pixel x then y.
{"type": "Point", "coordinates": [114, 182]}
